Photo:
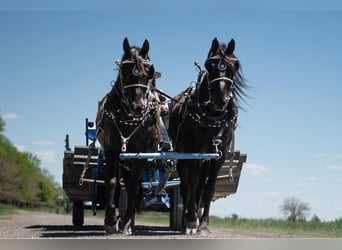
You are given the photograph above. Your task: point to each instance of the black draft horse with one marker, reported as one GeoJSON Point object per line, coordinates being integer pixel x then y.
{"type": "Point", "coordinates": [203, 119]}
{"type": "Point", "coordinates": [128, 121]}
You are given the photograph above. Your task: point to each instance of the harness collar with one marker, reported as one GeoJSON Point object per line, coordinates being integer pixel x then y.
{"type": "Point", "coordinates": [115, 115]}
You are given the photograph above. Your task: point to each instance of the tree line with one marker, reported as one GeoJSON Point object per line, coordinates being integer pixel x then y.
{"type": "Point", "coordinates": [23, 182]}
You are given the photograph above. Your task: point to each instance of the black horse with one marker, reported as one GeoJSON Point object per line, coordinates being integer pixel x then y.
{"type": "Point", "coordinates": [203, 119]}
{"type": "Point", "coordinates": [128, 121]}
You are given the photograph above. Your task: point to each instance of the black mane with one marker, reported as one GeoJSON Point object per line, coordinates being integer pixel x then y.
{"type": "Point", "coordinates": [240, 83]}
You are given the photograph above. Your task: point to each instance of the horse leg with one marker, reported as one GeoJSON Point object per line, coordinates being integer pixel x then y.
{"type": "Point", "coordinates": [182, 171]}
{"type": "Point", "coordinates": [132, 188]}
{"type": "Point", "coordinates": [205, 166]}
{"type": "Point", "coordinates": [191, 220]}
{"type": "Point", "coordinates": [209, 190]}
{"type": "Point", "coordinates": [110, 222]}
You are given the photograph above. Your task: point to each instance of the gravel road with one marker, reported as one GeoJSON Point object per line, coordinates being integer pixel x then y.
{"type": "Point", "coordinates": [27, 224]}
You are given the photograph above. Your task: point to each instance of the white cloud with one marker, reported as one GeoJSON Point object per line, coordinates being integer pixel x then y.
{"type": "Point", "coordinates": [306, 183]}
{"type": "Point", "coordinates": [271, 194]}
{"type": "Point", "coordinates": [21, 148]}
{"type": "Point", "coordinates": [255, 169]}
{"type": "Point", "coordinates": [321, 155]}
{"type": "Point", "coordinates": [333, 167]}
{"type": "Point", "coordinates": [44, 142]}
{"type": "Point", "coordinates": [312, 178]}
{"type": "Point", "coordinates": [10, 116]}
{"type": "Point", "coordinates": [303, 184]}
{"type": "Point", "coordinates": [47, 156]}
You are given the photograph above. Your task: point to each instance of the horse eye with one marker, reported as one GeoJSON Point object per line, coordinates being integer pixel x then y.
{"type": "Point", "coordinates": [209, 65]}
{"type": "Point", "coordinates": [125, 71]}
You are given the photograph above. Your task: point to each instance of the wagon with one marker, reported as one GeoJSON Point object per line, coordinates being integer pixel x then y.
{"type": "Point", "coordinates": [84, 172]}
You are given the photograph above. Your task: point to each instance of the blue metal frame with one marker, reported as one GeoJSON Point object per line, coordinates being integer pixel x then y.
{"type": "Point", "coordinates": [169, 155]}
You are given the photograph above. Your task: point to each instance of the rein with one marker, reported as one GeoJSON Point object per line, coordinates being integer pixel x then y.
{"type": "Point", "coordinates": [166, 95]}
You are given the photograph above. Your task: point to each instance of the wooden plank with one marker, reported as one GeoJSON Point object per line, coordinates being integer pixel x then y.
{"type": "Point", "coordinates": [83, 150]}
{"type": "Point", "coordinates": [75, 191]}
{"type": "Point", "coordinates": [85, 157]}
{"type": "Point", "coordinates": [224, 186]}
{"type": "Point", "coordinates": [73, 165]}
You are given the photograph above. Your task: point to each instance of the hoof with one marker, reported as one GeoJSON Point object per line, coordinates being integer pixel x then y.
{"type": "Point", "coordinates": [190, 231]}
{"type": "Point", "coordinates": [110, 229]}
{"type": "Point", "coordinates": [203, 231]}
{"type": "Point", "coordinates": [191, 224]}
{"type": "Point", "coordinates": [127, 231]}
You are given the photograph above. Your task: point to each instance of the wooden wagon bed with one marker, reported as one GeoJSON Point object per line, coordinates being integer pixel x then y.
{"type": "Point", "coordinates": [229, 176]}
{"type": "Point", "coordinates": [73, 164]}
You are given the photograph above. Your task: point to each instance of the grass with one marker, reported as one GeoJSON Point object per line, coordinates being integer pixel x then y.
{"type": "Point", "coordinates": [154, 217]}
{"type": "Point", "coordinates": [314, 229]}
{"type": "Point", "coordinates": [330, 229]}
{"type": "Point", "coordinates": [6, 210]}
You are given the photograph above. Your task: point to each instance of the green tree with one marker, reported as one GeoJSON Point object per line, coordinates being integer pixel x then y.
{"type": "Point", "coordinates": [2, 124]}
{"type": "Point", "coordinates": [294, 209]}
{"type": "Point", "coordinates": [315, 219]}
{"type": "Point", "coordinates": [22, 180]}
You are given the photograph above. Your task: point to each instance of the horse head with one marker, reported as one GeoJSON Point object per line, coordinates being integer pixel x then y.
{"type": "Point", "coordinates": [135, 78]}
{"type": "Point", "coordinates": [221, 66]}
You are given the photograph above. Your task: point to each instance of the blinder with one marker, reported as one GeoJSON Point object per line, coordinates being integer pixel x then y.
{"type": "Point", "coordinates": [142, 69]}
{"type": "Point", "coordinates": [135, 73]}
{"type": "Point", "coordinates": [220, 64]}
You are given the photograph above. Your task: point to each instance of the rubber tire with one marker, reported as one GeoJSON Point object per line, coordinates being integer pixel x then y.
{"type": "Point", "coordinates": [78, 213]}
{"type": "Point", "coordinates": [176, 209]}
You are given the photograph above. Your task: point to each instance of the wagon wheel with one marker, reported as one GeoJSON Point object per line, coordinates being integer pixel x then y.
{"type": "Point", "coordinates": [78, 213]}
{"type": "Point", "coordinates": [176, 209]}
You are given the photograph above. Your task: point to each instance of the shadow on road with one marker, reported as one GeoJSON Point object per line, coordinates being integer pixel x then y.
{"type": "Point", "coordinates": [69, 231]}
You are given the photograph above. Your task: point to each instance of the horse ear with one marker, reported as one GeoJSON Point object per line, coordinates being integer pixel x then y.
{"type": "Point", "coordinates": [230, 48]}
{"type": "Point", "coordinates": [126, 47]}
{"type": "Point", "coordinates": [145, 48]}
{"type": "Point", "coordinates": [214, 46]}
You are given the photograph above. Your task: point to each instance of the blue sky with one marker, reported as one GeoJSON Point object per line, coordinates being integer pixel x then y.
{"type": "Point", "coordinates": [57, 61]}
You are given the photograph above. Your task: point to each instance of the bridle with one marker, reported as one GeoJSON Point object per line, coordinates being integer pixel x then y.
{"type": "Point", "coordinates": [140, 68]}
{"type": "Point", "coordinates": [119, 115]}
{"type": "Point", "coordinates": [224, 62]}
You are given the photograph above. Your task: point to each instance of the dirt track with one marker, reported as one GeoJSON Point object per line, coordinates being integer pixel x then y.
{"type": "Point", "coordinates": [26, 224]}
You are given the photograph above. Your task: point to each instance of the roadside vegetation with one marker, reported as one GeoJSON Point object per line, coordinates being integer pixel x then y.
{"type": "Point", "coordinates": [312, 228]}
{"type": "Point", "coordinates": [6, 210]}
{"type": "Point", "coordinates": [301, 228]}
{"type": "Point", "coordinates": [23, 183]}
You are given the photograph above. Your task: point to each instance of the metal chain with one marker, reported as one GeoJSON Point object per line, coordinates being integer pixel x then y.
{"type": "Point", "coordinates": [231, 158]}
{"type": "Point", "coordinates": [86, 165]}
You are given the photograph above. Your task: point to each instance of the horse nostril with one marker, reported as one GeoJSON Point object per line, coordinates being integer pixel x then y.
{"type": "Point", "coordinates": [135, 108]}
